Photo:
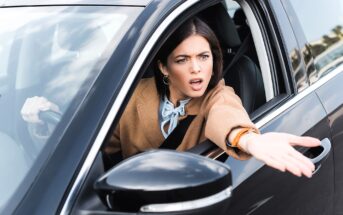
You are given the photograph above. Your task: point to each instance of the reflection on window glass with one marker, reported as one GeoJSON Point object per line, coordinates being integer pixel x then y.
{"type": "Point", "coordinates": [53, 53]}
{"type": "Point", "coordinates": [4, 45]}
{"type": "Point", "coordinates": [299, 76]}
{"type": "Point", "coordinates": [322, 23]}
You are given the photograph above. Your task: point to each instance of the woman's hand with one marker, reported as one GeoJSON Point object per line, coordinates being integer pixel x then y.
{"type": "Point", "coordinates": [276, 150]}
{"type": "Point", "coordinates": [33, 106]}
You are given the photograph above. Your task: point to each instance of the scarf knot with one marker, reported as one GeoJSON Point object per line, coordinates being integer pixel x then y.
{"type": "Point", "coordinates": [171, 115]}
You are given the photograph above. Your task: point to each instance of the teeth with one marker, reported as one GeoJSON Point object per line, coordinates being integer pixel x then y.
{"type": "Point", "coordinates": [195, 81]}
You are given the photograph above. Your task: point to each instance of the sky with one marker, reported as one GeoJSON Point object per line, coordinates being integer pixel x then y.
{"type": "Point", "coordinates": [318, 17]}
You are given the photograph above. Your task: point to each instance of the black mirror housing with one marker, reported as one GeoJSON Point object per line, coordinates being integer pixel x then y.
{"type": "Point", "coordinates": [164, 181]}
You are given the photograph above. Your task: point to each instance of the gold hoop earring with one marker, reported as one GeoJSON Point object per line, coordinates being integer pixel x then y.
{"type": "Point", "coordinates": [165, 80]}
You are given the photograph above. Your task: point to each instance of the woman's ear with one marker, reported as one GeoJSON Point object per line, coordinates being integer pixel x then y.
{"type": "Point", "coordinates": [162, 68]}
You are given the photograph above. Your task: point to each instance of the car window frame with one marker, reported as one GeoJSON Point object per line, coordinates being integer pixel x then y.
{"type": "Point", "coordinates": [260, 49]}
{"type": "Point", "coordinates": [259, 20]}
{"type": "Point", "coordinates": [283, 102]}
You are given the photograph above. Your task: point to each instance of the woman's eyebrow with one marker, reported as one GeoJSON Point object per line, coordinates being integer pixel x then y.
{"type": "Point", "coordinates": [204, 52]}
{"type": "Point", "coordinates": [185, 55]}
{"type": "Point", "coordinates": [181, 55]}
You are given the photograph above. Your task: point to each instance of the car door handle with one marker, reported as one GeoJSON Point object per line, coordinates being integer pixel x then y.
{"type": "Point", "coordinates": [319, 154]}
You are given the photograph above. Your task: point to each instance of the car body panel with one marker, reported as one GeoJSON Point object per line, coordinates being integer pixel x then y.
{"type": "Point", "coordinates": [332, 102]}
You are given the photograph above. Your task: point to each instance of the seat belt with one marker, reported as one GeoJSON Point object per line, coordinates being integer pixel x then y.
{"type": "Point", "coordinates": [175, 138]}
{"type": "Point", "coordinates": [241, 50]}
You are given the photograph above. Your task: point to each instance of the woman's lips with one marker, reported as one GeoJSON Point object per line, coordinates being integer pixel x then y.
{"type": "Point", "coordinates": [196, 84]}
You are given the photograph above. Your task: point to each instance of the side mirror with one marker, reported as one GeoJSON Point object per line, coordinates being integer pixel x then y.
{"type": "Point", "coordinates": [166, 181]}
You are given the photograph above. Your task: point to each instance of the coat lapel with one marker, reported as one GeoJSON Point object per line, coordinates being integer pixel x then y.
{"type": "Point", "coordinates": [147, 107]}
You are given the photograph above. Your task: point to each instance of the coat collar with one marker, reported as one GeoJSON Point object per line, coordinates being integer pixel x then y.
{"type": "Point", "coordinates": [148, 103]}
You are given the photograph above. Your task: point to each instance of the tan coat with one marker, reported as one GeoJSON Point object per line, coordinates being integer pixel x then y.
{"type": "Point", "coordinates": [218, 112]}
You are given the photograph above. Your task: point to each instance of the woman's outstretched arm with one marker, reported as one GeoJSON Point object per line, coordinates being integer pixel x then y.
{"type": "Point", "coordinates": [277, 151]}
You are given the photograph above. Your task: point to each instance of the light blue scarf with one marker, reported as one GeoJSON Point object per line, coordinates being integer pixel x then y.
{"type": "Point", "coordinates": [171, 115]}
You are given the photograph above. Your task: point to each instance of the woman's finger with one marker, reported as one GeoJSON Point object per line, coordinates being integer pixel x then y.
{"type": "Point", "coordinates": [303, 159]}
{"type": "Point", "coordinates": [304, 141]}
{"type": "Point", "coordinates": [298, 165]}
{"type": "Point", "coordinates": [291, 166]}
{"type": "Point", "coordinates": [275, 163]}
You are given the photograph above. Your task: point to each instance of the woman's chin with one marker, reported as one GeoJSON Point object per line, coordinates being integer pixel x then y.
{"type": "Point", "coordinates": [196, 94]}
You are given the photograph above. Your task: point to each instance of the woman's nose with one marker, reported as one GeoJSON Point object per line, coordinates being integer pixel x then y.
{"type": "Point", "coordinates": [195, 66]}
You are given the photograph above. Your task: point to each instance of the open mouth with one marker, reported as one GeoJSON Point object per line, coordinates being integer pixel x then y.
{"type": "Point", "coordinates": [196, 84]}
{"type": "Point", "coordinates": [195, 81]}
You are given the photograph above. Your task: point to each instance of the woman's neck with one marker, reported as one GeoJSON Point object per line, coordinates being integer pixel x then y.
{"type": "Point", "coordinates": [176, 99]}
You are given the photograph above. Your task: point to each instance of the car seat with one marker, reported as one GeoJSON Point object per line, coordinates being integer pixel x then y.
{"type": "Point", "coordinates": [240, 72]}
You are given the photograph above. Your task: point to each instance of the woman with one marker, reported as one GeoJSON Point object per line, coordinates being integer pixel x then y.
{"type": "Point", "coordinates": [188, 82]}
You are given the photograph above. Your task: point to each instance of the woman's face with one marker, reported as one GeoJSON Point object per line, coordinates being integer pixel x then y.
{"type": "Point", "coordinates": [189, 68]}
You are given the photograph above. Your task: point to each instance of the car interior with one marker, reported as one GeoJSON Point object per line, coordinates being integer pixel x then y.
{"type": "Point", "coordinates": [241, 71]}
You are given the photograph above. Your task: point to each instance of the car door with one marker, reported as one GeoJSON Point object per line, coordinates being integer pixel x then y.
{"type": "Point", "coordinates": [323, 43]}
{"type": "Point", "coordinates": [333, 105]}
{"type": "Point", "coordinates": [332, 101]}
{"type": "Point", "coordinates": [295, 108]}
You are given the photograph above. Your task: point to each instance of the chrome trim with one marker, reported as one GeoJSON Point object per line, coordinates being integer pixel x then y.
{"type": "Point", "coordinates": [188, 205]}
{"type": "Point", "coordinates": [108, 201]}
{"type": "Point", "coordinates": [299, 96]}
{"type": "Point", "coordinates": [260, 49]}
{"type": "Point", "coordinates": [214, 154]}
{"type": "Point", "coordinates": [117, 103]}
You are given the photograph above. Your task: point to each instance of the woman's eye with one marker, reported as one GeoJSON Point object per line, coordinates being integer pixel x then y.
{"type": "Point", "coordinates": [181, 60]}
{"type": "Point", "coordinates": [204, 57]}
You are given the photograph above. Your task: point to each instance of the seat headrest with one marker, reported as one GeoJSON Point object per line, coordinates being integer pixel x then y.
{"type": "Point", "coordinates": [246, 79]}
{"type": "Point", "coordinates": [239, 17]}
{"type": "Point", "coordinates": [223, 26]}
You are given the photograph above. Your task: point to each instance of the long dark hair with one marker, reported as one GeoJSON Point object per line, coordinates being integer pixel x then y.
{"type": "Point", "coordinates": [193, 26]}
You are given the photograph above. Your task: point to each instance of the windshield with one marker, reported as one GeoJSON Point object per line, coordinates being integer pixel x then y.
{"type": "Point", "coordinates": [48, 54]}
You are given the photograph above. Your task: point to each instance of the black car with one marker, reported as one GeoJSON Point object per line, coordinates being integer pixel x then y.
{"type": "Point", "coordinates": [282, 57]}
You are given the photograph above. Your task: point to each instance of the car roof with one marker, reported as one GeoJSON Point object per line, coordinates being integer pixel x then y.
{"type": "Point", "coordinates": [74, 2]}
